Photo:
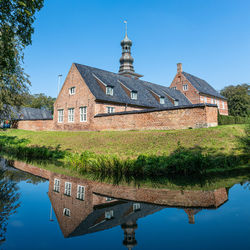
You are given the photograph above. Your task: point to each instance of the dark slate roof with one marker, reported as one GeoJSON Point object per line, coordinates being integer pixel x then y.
{"type": "Point", "coordinates": [121, 216]}
{"type": "Point", "coordinates": [202, 86]}
{"type": "Point", "coordinates": [144, 96]}
{"type": "Point", "coordinates": [25, 113]}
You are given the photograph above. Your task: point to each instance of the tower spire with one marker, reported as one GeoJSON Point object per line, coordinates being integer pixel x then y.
{"type": "Point", "coordinates": [126, 60]}
{"type": "Point", "coordinates": [126, 28]}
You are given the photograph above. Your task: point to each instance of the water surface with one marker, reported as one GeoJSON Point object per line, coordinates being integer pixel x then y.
{"type": "Point", "coordinates": [60, 212]}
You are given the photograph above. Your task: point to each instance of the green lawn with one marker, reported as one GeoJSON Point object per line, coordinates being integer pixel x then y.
{"type": "Point", "coordinates": [221, 139]}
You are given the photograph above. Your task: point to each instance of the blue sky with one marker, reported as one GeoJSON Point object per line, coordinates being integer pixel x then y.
{"type": "Point", "coordinates": [211, 38]}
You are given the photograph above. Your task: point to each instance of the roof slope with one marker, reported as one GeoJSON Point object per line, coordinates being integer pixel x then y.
{"type": "Point", "coordinates": [26, 113]}
{"type": "Point", "coordinates": [144, 96]}
{"type": "Point", "coordinates": [202, 86]}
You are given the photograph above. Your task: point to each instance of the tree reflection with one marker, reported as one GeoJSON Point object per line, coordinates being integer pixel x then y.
{"type": "Point", "coordinates": [8, 202]}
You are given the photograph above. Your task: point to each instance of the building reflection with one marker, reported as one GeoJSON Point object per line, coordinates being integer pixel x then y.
{"type": "Point", "coordinates": [83, 206]}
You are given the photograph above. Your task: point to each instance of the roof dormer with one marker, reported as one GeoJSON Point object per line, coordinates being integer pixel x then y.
{"type": "Point", "coordinates": [107, 89]}
{"type": "Point", "coordinates": [132, 94]}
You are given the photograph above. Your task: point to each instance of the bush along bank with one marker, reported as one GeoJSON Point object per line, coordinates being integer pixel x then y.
{"type": "Point", "coordinates": [227, 119]}
{"type": "Point", "coordinates": [182, 162]}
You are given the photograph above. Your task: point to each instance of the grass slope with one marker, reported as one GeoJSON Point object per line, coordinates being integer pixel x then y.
{"type": "Point", "coordinates": [130, 144]}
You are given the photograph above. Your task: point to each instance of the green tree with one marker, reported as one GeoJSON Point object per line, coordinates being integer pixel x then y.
{"type": "Point", "coordinates": [16, 19]}
{"type": "Point", "coordinates": [238, 98]}
{"type": "Point", "coordinates": [8, 202]}
{"type": "Point", "coordinates": [40, 101]}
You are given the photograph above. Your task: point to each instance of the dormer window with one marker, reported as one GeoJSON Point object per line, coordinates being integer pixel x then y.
{"type": "Point", "coordinates": [174, 88]}
{"type": "Point", "coordinates": [72, 90]}
{"type": "Point", "coordinates": [109, 90]}
{"type": "Point", "coordinates": [109, 215]}
{"type": "Point", "coordinates": [134, 95]}
{"type": "Point", "coordinates": [162, 100]}
{"type": "Point", "coordinates": [176, 102]}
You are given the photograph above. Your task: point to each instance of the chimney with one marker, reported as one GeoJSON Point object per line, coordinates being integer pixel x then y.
{"type": "Point", "coordinates": [179, 67]}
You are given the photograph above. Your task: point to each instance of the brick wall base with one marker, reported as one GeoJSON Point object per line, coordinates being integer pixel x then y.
{"type": "Point", "coordinates": [198, 116]}
{"type": "Point", "coordinates": [36, 125]}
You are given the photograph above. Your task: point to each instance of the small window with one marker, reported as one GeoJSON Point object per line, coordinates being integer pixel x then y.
{"type": "Point", "coordinates": [57, 185]}
{"type": "Point", "coordinates": [176, 102]}
{"type": "Point", "coordinates": [67, 190]}
{"type": "Point", "coordinates": [218, 103]}
{"type": "Point", "coordinates": [134, 95]}
{"type": "Point", "coordinates": [71, 112]}
{"type": "Point", "coordinates": [60, 115]}
{"type": "Point", "coordinates": [109, 90]}
{"type": "Point", "coordinates": [185, 87]}
{"type": "Point", "coordinates": [212, 100]}
{"type": "Point", "coordinates": [178, 79]}
{"type": "Point", "coordinates": [72, 90]}
{"type": "Point", "coordinates": [223, 105]}
{"type": "Point", "coordinates": [136, 207]}
{"type": "Point", "coordinates": [109, 199]}
{"type": "Point", "coordinates": [80, 192]}
{"type": "Point", "coordinates": [66, 212]}
{"type": "Point", "coordinates": [83, 114]}
{"type": "Point", "coordinates": [174, 88]}
{"type": "Point", "coordinates": [162, 100]}
{"type": "Point", "coordinates": [205, 99]}
{"type": "Point", "coordinates": [110, 110]}
{"type": "Point", "coordinates": [109, 215]}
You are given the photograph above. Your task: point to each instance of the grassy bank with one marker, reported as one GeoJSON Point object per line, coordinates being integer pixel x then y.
{"type": "Point", "coordinates": [188, 153]}
{"type": "Point", "coordinates": [130, 144]}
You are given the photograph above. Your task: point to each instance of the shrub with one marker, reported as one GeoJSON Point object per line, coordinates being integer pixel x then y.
{"type": "Point", "coordinates": [227, 119]}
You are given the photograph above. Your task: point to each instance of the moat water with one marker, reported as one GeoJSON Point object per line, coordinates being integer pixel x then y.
{"type": "Point", "coordinates": [60, 212]}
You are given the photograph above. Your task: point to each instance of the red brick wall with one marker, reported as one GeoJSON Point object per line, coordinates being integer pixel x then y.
{"type": "Point", "coordinates": [211, 100]}
{"type": "Point", "coordinates": [82, 97]}
{"type": "Point", "coordinates": [101, 107]}
{"type": "Point", "coordinates": [36, 125]}
{"type": "Point", "coordinates": [192, 94]}
{"type": "Point", "coordinates": [164, 119]}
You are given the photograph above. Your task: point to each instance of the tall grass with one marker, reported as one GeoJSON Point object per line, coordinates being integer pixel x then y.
{"type": "Point", "coordinates": [182, 162]}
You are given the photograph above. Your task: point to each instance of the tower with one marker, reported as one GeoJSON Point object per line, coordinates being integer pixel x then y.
{"type": "Point", "coordinates": [129, 234]}
{"type": "Point", "coordinates": [126, 60]}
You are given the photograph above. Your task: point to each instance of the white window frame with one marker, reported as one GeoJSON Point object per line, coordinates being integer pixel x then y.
{"type": "Point", "coordinates": [72, 90]}
{"type": "Point", "coordinates": [218, 103]}
{"type": "Point", "coordinates": [185, 87]}
{"type": "Point", "coordinates": [205, 99]}
{"type": "Point", "coordinates": [162, 100]}
{"type": "Point", "coordinates": [109, 90]}
{"type": "Point", "coordinates": [134, 95]}
{"type": "Point", "coordinates": [109, 199]}
{"type": "Point", "coordinates": [80, 192]}
{"type": "Point", "coordinates": [223, 104]}
{"type": "Point", "coordinates": [67, 189]}
{"type": "Point", "coordinates": [66, 212]}
{"type": "Point", "coordinates": [174, 88]}
{"type": "Point", "coordinates": [212, 100]}
{"type": "Point", "coordinates": [57, 185]}
{"type": "Point", "coordinates": [109, 214]}
{"type": "Point", "coordinates": [176, 102]}
{"type": "Point", "coordinates": [60, 115]}
{"type": "Point", "coordinates": [136, 207]}
{"type": "Point", "coordinates": [83, 114]}
{"type": "Point", "coordinates": [110, 110]}
{"type": "Point", "coordinates": [71, 115]}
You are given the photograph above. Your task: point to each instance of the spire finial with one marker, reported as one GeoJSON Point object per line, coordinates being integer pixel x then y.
{"type": "Point", "coordinates": [126, 28]}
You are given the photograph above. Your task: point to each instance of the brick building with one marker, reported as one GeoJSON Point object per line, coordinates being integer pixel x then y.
{"type": "Point", "coordinates": [95, 99]}
{"type": "Point", "coordinates": [198, 90]}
